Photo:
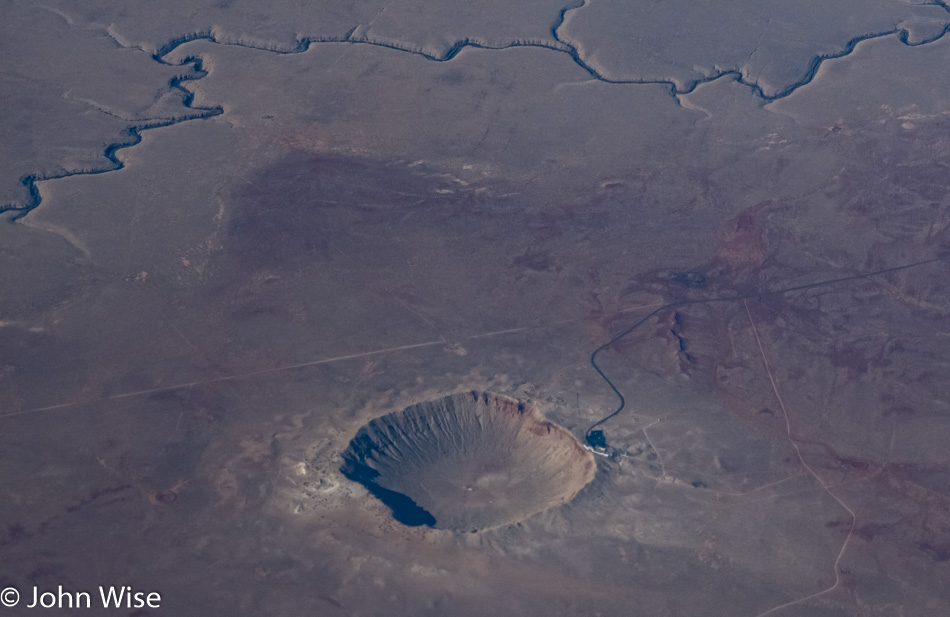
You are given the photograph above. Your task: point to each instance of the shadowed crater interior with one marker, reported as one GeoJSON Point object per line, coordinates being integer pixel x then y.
{"type": "Point", "coordinates": [467, 462]}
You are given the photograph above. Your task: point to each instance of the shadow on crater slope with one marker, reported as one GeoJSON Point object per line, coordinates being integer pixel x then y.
{"type": "Point", "coordinates": [467, 462]}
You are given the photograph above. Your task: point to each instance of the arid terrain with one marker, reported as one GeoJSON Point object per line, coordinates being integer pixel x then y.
{"type": "Point", "coordinates": [710, 238]}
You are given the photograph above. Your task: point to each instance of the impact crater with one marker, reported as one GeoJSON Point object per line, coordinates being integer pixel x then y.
{"type": "Point", "coordinates": [468, 462]}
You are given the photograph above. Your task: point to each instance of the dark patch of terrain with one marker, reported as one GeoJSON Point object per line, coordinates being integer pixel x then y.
{"type": "Point", "coordinates": [404, 509]}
